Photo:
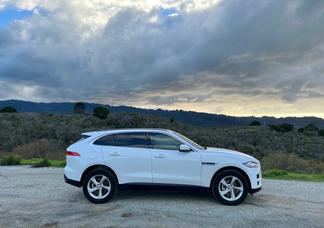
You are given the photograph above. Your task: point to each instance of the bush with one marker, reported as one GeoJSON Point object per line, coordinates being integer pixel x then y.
{"type": "Point", "coordinates": [79, 108]}
{"type": "Point", "coordinates": [311, 130]}
{"type": "Point", "coordinates": [255, 123]}
{"type": "Point", "coordinates": [44, 162]}
{"type": "Point", "coordinates": [10, 160]}
{"type": "Point", "coordinates": [284, 128]}
{"type": "Point", "coordinates": [8, 109]}
{"type": "Point", "coordinates": [275, 173]}
{"type": "Point", "coordinates": [101, 112]}
{"type": "Point", "coordinates": [292, 163]}
{"type": "Point", "coordinates": [321, 132]}
{"type": "Point", "coordinates": [311, 127]}
{"type": "Point", "coordinates": [39, 149]}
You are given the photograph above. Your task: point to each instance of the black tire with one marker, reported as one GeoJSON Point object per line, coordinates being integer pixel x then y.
{"type": "Point", "coordinates": [215, 187]}
{"type": "Point", "coordinates": [113, 185]}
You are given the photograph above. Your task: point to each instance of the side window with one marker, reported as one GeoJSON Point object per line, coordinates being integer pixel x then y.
{"type": "Point", "coordinates": [138, 140]}
{"type": "Point", "coordinates": [164, 142]}
{"type": "Point", "coordinates": [107, 140]}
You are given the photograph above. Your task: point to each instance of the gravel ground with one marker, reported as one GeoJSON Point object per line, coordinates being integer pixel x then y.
{"type": "Point", "coordinates": [38, 197]}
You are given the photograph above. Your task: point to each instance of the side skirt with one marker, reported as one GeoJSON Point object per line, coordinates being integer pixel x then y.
{"type": "Point", "coordinates": [160, 186]}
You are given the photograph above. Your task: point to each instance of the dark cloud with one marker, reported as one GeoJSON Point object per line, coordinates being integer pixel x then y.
{"type": "Point", "coordinates": [243, 47]}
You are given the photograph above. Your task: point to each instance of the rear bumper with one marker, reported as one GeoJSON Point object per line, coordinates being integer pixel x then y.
{"type": "Point", "coordinates": [252, 191]}
{"type": "Point", "coordinates": [72, 182]}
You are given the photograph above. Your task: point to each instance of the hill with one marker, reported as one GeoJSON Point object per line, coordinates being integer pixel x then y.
{"type": "Point", "coordinates": [189, 117]}
{"type": "Point", "coordinates": [36, 135]}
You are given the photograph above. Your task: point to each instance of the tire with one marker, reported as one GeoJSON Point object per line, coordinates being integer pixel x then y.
{"type": "Point", "coordinates": [100, 181]}
{"type": "Point", "coordinates": [230, 187]}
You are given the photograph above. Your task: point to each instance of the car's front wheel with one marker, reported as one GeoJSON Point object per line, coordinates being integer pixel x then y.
{"type": "Point", "coordinates": [99, 185]}
{"type": "Point", "coordinates": [230, 187]}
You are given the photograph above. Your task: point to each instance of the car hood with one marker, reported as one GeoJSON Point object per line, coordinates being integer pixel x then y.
{"type": "Point", "coordinates": [229, 153]}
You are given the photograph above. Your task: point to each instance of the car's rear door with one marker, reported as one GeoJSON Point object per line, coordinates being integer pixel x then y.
{"type": "Point", "coordinates": [128, 154]}
{"type": "Point", "coordinates": [169, 165]}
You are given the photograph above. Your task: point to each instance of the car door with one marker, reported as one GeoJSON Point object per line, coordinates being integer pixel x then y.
{"type": "Point", "coordinates": [171, 166]}
{"type": "Point", "coordinates": [128, 154]}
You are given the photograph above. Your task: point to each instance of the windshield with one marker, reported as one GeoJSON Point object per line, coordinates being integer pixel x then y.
{"type": "Point", "coordinates": [194, 144]}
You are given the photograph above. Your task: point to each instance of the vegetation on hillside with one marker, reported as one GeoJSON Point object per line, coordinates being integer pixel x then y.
{"type": "Point", "coordinates": [189, 117]}
{"type": "Point", "coordinates": [47, 135]}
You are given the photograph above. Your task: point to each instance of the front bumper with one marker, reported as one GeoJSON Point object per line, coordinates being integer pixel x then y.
{"type": "Point", "coordinates": [255, 176]}
{"type": "Point", "coordinates": [72, 182]}
{"type": "Point", "coordinates": [252, 191]}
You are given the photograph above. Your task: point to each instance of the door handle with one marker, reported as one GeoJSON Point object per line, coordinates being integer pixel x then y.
{"type": "Point", "coordinates": [160, 156]}
{"type": "Point", "coordinates": [114, 154]}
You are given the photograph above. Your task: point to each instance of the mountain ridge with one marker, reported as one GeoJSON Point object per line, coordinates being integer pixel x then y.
{"type": "Point", "coordinates": [191, 117]}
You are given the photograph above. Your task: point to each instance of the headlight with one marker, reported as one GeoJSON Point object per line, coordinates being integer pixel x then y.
{"type": "Point", "coordinates": [251, 164]}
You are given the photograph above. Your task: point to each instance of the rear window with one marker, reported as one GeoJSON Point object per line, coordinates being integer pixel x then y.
{"type": "Point", "coordinates": [107, 140]}
{"type": "Point", "coordinates": [138, 140]}
{"type": "Point", "coordinates": [83, 137]}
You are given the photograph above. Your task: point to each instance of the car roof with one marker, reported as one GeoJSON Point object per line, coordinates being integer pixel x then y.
{"type": "Point", "coordinates": [126, 130]}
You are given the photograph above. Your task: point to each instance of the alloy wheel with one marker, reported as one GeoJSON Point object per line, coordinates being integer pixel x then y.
{"type": "Point", "coordinates": [230, 188]}
{"type": "Point", "coordinates": [99, 186]}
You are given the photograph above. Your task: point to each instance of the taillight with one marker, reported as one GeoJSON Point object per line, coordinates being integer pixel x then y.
{"type": "Point", "coordinates": [70, 153]}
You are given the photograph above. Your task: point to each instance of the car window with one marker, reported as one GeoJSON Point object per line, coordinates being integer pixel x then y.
{"type": "Point", "coordinates": [107, 140]}
{"type": "Point", "coordinates": [164, 142]}
{"type": "Point", "coordinates": [131, 140]}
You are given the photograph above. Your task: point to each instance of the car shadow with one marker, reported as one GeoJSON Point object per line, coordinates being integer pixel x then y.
{"type": "Point", "coordinates": [156, 192]}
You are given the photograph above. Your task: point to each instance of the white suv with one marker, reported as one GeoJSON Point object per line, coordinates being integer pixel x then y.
{"type": "Point", "coordinates": [103, 160]}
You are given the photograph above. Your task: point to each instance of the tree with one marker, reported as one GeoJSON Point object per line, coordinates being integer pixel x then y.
{"type": "Point", "coordinates": [284, 128]}
{"type": "Point", "coordinates": [101, 112]}
{"type": "Point", "coordinates": [311, 130]}
{"type": "Point", "coordinates": [311, 127]}
{"type": "Point", "coordinates": [321, 132]}
{"type": "Point", "coordinates": [79, 108]}
{"type": "Point", "coordinates": [255, 123]}
{"type": "Point", "coordinates": [8, 109]}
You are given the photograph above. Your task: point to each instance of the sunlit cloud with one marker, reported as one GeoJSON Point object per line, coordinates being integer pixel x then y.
{"type": "Point", "coordinates": [244, 57]}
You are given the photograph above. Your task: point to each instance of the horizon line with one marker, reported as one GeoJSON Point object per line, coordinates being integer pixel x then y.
{"type": "Point", "coordinates": [170, 110]}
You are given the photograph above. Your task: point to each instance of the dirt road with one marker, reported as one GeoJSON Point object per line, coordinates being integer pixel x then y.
{"type": "Point", "coordinates": [31, 197]}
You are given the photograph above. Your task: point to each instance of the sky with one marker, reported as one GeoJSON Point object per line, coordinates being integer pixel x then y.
{"type": "Point", "coordinates": [235, 57]}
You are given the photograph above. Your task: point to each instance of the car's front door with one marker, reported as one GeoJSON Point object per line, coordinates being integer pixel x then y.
{"type": "Point", "coordinates": [129, 155]}
{"type": "Point", "coordinates": [171, 166]}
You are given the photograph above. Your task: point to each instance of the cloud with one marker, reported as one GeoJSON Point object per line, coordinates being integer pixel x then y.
{"type": "Point", "coordinates": [168, 53]}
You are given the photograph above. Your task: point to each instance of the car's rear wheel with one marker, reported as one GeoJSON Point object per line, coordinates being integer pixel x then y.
{"type": "Point", "coordinates": [99, 185]}
{"type": "Point", "coordinates": [230, 187]}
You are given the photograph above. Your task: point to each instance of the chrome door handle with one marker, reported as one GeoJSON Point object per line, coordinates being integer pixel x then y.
{"type": "Point", "coordinates": [159, 156]}
{"type": "Point", "coordinates": [114, 154]}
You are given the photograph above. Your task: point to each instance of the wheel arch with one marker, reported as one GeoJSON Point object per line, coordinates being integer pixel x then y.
{"type": "Point", "coordinates": [232, 168]}
{"type": "Point", "coordinates": [90, 168]}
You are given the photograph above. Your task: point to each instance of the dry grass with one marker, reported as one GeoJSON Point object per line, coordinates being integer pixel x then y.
{"type": "Point", "coordinates": [38, 149]}
{"type": "Point", "coordinates": [291, 162]}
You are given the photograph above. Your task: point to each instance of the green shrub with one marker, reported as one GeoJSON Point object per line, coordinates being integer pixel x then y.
{"type": "Point", "coordinates": [255, 123]}
{"type": "Point", "coordinates": [101, 112]}
{"type": "Point", "coordinates": [275, 173]}
{"type": "Point", "coordinates": [311, 127]}
{"type": "Point", "coordinates": [8, 109]}
{"type": "Point", "coordinates": [10, 160]}
{"type": "Point", "coordinates": [284, 128]}
{"type": "Point", "coordinates": [311, 130]}
{"type": "Point", "coordinates": [321, 132]}
{"type": "Point", "coordinates": [44, 162]}
{"type": "Point", "coordinates": [292, 163]}
{"type": "Point", "coordinates": [79, 108]}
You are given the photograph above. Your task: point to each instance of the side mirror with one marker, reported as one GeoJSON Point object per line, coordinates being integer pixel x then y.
{"type": "Point", "coordinates": [184, 148]}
